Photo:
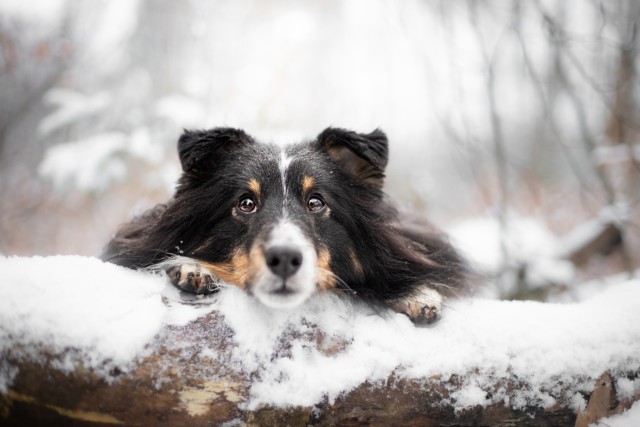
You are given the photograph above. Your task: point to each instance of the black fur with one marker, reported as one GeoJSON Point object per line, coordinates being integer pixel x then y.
{"type": "Point", "coordinates": [397, 253]}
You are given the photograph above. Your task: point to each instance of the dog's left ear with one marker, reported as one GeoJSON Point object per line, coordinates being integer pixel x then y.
{"type": "Point", "coordinates": [201, 150]}
{"type": "Point", "coordinates": [364, 156]}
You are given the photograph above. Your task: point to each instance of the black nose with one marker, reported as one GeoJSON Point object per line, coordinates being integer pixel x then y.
{"type": "Point", "coordinates": [283, 261]}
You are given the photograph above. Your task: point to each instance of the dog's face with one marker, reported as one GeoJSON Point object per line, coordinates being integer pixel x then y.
{"type": "Point", "coordinates": [279, 222]}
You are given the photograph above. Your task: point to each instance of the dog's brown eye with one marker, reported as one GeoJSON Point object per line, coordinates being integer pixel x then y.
{"type": "Point", "coordinates": [315, 204]}
{"type": "Point", "coordinates": [247, 205]}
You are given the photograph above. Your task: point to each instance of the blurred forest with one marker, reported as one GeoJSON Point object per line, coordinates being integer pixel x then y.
{"type": "Point", "coordinates": [514, 125]}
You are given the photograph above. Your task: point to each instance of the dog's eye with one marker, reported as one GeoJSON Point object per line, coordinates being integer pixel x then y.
{"type": "Point", "coordinates": [315, 204]}
{"type": "Point", "coordinates": [247, 205]}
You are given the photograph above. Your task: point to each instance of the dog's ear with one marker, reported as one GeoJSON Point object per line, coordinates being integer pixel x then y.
{"type": "Point", "coordinates": [364, 156]}
{"type": "Point", "coordinates": [200, 150]}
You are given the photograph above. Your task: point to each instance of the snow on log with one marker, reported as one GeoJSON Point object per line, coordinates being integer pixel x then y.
{"type": "Point", "coordinates": [87, 342]}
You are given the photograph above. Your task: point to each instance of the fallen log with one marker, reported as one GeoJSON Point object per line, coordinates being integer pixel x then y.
{"type": "Point", "coordinates": [132, 353]}
{"type": "Point", "coordinates": [167, 387]}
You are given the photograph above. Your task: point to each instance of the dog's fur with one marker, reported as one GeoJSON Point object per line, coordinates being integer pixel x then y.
{"type": "Point", "coordinates": [283, 223]}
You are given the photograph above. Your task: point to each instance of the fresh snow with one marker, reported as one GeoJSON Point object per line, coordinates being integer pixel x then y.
{"type": "Point", "coordinates": [71, 106]}
{"type": "Point", "coordinates": [111, 315]}
{"type": "Point", "coordinates": [630, 418]}
{"type": "Point", "coordinates": [528, 242]}
{"type": "Point", "coordinates": [104, 162]}
{"type": "Point", "coordinates": [107, 312]}
{"type": "Point", "coordinates": [99, 168]}
{"type": "Point", "coordinates": [78, 302]}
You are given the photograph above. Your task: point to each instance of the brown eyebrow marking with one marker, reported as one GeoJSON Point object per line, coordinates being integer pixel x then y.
{"type": "Point", "coordinates": [307, 183]}
{"type": "Point", "coordinates": [254, 186]}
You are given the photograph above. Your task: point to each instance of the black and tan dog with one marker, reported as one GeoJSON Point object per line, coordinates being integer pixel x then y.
{"type": "Point", "coordinates": [284, 223]}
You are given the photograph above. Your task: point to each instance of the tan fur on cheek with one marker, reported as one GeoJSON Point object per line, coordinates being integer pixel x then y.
{"type": "Point", "coordinates": [326, 279]}
{"type": "Point", "coordinates": [255, 263]}
{"type": "Point", "coordinates": [234, 272]}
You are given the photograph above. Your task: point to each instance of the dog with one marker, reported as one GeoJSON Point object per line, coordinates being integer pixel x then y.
{"type": "Point", "coordinates": [284, 223]}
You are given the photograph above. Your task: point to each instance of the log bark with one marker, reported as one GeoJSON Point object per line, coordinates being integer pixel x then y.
{"type": "Point", "coordinates": [170, 388]}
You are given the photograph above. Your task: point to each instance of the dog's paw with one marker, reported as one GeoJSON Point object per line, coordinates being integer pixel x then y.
{"type": "Point", "coordinates": [423, 308]}
{"type": "Point", "coordinates": [193, 278]}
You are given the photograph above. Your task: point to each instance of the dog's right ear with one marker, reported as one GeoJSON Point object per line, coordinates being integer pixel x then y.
{"type": "Point", "coordinates": [201, 150]}
{"type": "Point", "coordinates": [363, 156]}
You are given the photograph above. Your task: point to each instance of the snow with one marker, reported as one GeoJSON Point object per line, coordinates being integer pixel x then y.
{"type": "Point", "coordinates": [47, 12]}
{"type": "Point", "coordinates": [541, 344]}
{"type": "Point", "coordinates": [590, 289]}
{"type": "Point", "coordinates": [107, 312]}
{"type": "Point", "coordinates": [70, 107]}
{"type": "Point", "coordinates": [527, 240]}
{"type": "Point", "coordinates": [88, 165]}
{"type": "Point", "coordinates": [78, 302]}
{"type": "Point", "coordinates": [118, 22]}
{"type": "Point", "coordinates": [181, 110]}
{"type": "Point", "coordinates": [620, 153]}
{"type": "Point", "coordinates": [97, 162]}
{"type": "Point", "coordinates": [586, 232]}
{"type": "Point", "coordinates": [630, 418]}
{"type": "Point", "coordinates": [627, 388]}
{"type": "Point", "coordinates": [112, 315]}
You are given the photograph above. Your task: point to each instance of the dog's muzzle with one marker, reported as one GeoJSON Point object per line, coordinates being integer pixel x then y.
{"type": "Point", "coordinates": [289, 274]}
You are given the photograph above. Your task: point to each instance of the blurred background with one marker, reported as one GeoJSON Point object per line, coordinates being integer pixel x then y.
{"type": "Point", "coordinates": [513, 125]}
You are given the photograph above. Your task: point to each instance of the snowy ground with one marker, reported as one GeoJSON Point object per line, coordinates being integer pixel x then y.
{"type": "Point", "coordinates": [111, 315]}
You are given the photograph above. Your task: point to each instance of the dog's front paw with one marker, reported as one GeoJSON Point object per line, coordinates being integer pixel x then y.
{"type": "Point", "coordinates": [193, 278]}
{"type": "Point", "coordinates": [423, 308]}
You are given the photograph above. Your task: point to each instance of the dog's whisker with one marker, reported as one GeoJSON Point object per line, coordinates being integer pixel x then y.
{"type": "Point", "coordinates": [345, 286]}
{"type": "Point", "coordinates": [224, 285]}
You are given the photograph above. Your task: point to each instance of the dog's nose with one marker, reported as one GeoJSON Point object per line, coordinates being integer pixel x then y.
{"type": "Point", "coordinates": [283, 261]}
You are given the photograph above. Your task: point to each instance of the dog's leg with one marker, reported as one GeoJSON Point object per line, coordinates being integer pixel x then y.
{"type": "Point", "coordinates": [422, 307]}
{"type": "Point", "coordinates": [192, 277]}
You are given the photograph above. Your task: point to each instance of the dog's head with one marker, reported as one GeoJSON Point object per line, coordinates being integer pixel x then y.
{"type": "Point", "coordinates": [279, 222]}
